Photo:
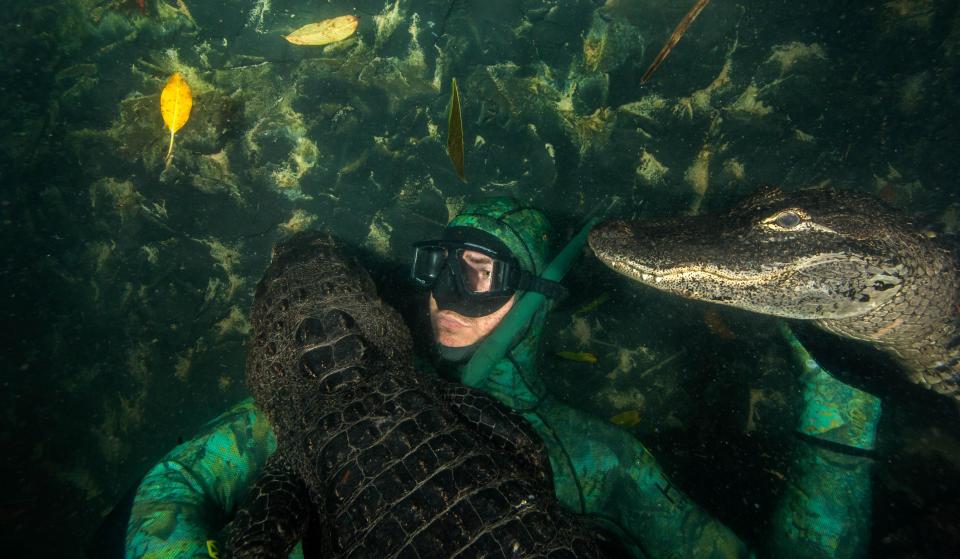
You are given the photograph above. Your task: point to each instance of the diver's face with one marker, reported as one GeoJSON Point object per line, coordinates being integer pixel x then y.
{"type": "Point", "coordinates": [452, 329]}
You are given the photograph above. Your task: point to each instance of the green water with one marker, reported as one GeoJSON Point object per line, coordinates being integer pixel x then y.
{"type": "Point", "coordinates": [128, 281]}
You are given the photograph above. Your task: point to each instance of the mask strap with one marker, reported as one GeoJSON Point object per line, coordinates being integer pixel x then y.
{"type": "Point", "coordinates": [550, 289]}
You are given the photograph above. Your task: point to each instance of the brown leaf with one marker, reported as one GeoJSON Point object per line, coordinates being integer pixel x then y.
{"type": "Point", "coordinates": [455, 131]}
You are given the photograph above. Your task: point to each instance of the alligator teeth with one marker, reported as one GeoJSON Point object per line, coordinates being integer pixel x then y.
{"type": "Point", "coordinates": [646, 277]}
{"type": "Point", "coordinates": [657, 279]}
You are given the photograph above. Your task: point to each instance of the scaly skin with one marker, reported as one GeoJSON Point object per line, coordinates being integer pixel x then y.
{"type": "Point", "coordinates": [841, 259]}
{"type": "Point", "coordinates": [373, 458]}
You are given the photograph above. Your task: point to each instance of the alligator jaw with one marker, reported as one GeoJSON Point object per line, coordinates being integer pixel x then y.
{"type": "Point", "coordinates": [840, 259]}
{"type": "Point", "coordinates": [690, 258]}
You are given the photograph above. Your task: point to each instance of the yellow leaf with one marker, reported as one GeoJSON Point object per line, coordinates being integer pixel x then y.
{"type": "Point", "coordinates": [626, 419]}
{"type": "Point", "coordinates": [455, 131]}
{"type": "Point", "coordinates": [325, 32]}
{"type": "Point", "coordinates": [579, 356]}
{"type": "Point", "coordinates": [175, 104]}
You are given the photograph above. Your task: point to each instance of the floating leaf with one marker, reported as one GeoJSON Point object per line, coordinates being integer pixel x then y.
{"type": "Point", "coordinates": [325, 32]}
{"type": "Point", "coordinates": [455, 131]}
{"type": "Point", "coordinates": [626, 419]}
{"type": "Point", "coordinates": [578, 356]}
{"type": "Point", "coordinates": [175, 104]}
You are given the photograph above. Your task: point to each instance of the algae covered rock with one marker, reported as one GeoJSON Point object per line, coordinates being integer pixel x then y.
{"type": "Point", "coordinates": [610, 41]}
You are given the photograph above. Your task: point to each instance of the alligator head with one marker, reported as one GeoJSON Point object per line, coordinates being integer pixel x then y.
{"type": "Point", "coordinates": [842, 259]}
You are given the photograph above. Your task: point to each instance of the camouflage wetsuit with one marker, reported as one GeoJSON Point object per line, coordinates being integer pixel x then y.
{"type": "Point", "coordinates": [598, 468]}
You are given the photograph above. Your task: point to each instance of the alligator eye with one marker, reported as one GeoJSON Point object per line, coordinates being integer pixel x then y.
{"type": "Point", "coordinates": [787, 220]}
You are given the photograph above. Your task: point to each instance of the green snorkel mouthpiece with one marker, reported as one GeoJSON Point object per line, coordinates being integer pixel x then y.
{"type": "Point", "coordinates": [497, 344]}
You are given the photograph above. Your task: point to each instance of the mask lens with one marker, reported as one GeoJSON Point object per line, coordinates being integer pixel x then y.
{"type": "Point", "coordinates": [427, 264]}
{"type": "Point", "coordinates": [481, 273]}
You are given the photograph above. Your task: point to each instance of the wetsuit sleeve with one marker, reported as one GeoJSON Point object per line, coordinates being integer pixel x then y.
{"type": "Point", "coordinates": [187, 497]}
{"type": "Point", "coordinates": [825, 510]}
{"type": "Point", "coordinates": [605, 473]}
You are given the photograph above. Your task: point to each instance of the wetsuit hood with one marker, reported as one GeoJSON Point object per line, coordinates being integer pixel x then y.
{"type": "Point", "coordinates": [525, 231]}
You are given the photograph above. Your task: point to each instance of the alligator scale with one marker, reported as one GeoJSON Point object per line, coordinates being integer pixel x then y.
{"type": "Point", "coordinates": [841, 259]}
{"type": "Point", "coordinates": [375, 459]}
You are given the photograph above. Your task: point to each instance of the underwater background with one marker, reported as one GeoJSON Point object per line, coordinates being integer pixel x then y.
{"type": "Point", "coordinates": [128, 280]}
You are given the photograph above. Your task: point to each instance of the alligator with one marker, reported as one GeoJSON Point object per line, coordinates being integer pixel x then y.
{"type": "Point", "coordinates": [375, 458]}
{"type": "Point", "coordinates": [843, 260]}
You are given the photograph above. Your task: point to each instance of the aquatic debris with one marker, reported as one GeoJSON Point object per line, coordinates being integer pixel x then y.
{"type": "Point", "coordinates": [378, 237]}
{"type": "Point", "coordinates": [650, 171]}
{"type": "Point", "coordinates": [734, 171]}
{"type": "Point", "coordinates": [788, 55]}
{"type": "Point", "coordinates": [701, 100]}
{"type": "Point", "coordinates": [674, 38]}
{"type": "Point", "coordinates": [659, 365]}
{"type": "Point", "coordinates": [324, 32]}
{"type": "Point", "coordinates": [300, 220]}
{"type": "Point", "coordinates": [894, 188]}
{"type": "Point", "coordinates": [578, 356]}
{"type": "Point", "coordinates": [175, 104]}
{"type": "Point", "coordinates": [223, 383]}
{"type": "Point", "coordinates": [580, 330]}
{"type": "Point", "coordinates": [234, 323]}
{"type": "Point", "coordinates": [717, 325]}
{"type": "Point", "coordinates": [646, 108]}
{"type": "Point", "coordinates": [748, 105]}
{"type": "Point", "coordinates": [610, 41]}
{"type": "Point", "coordinates": [455, 131]}
{"type": "Point", "coordinates": [259, 11]}
{"type": "Point", "coordinates": [119, 196]}
{"type": "Point", "coordinates": [592, 305]}
{"type": "Point", "coordinates": [454, 205]}
{"type": "Point", "coordinates": [181, 369]}
{"type": "Point", "coordinates": [227, 258]}
{"type": "Point", "coordinates": [698, 177]}
{"type": "Point", "coordinates": [628, 418]}
{"type": "Point", "coordinates": [592, 132]}
{"type": "Point", "coordinates": [415, 61]}
{"type": "Point", "coordinates": [627, 359]}
{"type": "Point", "coordinates": [386, 22]}
{"type": "Point", "coordinates": [185, 12]}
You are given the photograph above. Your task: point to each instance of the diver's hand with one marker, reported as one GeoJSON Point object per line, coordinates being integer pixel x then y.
{"type": "Point", "coordinates": [833, 410]}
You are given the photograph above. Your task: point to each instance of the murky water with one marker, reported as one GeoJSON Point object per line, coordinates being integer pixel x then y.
{"type": "Point", "coordinates": [129, 278]}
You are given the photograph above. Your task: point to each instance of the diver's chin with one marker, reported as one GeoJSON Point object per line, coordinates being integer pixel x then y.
{"type": "Point", "coordinates": [452, 339]}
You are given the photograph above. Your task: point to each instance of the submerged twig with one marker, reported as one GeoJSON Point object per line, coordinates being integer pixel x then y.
{"type": "Point", "coordinates": [675, 37]}
{"type": "Point", "coordinates": [661, 364]}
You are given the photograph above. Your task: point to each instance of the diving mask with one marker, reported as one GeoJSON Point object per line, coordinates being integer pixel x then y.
{"type": "Point", "coordinates": [474, 277]}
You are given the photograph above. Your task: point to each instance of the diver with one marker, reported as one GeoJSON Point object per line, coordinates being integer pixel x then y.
{"type": "Point", "coordinates": [488, 258]}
